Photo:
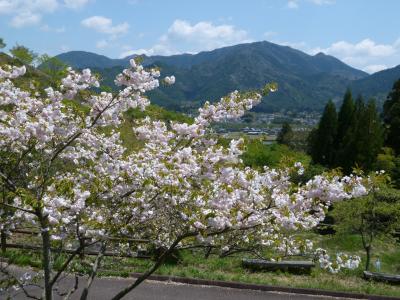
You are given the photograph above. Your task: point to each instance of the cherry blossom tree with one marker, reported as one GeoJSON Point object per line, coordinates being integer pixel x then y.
{"type": "Point", "coordinates": [66, 171]}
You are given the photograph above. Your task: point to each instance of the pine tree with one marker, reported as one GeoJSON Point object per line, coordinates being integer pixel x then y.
{"type": "Point", "coordinates": [351, 138]}
{"type": "Point", "coordinates": [345, 118]}
{"type": "Point", "coordinates": [391, 115]}
{"type": "Point", "coordinates": [323, 140]}
{"type": "Point", "coordinates": [364, 139]}
{"type": "Point", "coordinates": [2, 44]}
{"type": "Point", "coordinates": [370, 137]}
{"type": "Point", "coordinates": [285, 134]}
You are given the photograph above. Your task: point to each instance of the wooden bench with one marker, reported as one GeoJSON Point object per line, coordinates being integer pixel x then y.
{"type": "Point", "coordinates": [390, 278]}
{"type": "Point", "coordinates": [284, 265]}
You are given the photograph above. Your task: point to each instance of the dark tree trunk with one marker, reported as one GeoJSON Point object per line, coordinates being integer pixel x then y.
{"type": "Point", "coordinates": [208, 252]}
{"type": "Point", "coordinates": [367, 263]}
{"type": "Point", "coordinates": [46, 259]}
{"type": "Point", "coordinates": [3, 242]}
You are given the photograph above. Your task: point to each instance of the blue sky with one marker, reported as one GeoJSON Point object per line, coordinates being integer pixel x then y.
{"type": "Point", "coordinates": [362, 33]}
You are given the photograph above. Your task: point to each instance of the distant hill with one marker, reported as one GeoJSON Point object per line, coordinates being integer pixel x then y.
{"type": "Point", "coordinates": [83, 59]}
{"type": "Point", "coordinates": [376, 85]}
{"type": "Point", "coordinates": [305, 82]}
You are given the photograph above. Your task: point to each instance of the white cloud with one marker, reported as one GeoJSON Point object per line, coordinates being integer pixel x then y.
{"type": "Point", "coordinates": [23, 6]}
{"type": "Point", "coordinates": [374, 68]}
{"type": "Point", "coordinates": [366, 47]}
{"type": "Point", "coordinates": [30, 12]}
{"type": "Point", "coordinates": [205, 33]}
{"type": "Point", "coordinates": [47, 28]}
{"type": "Point", "coordinates": [270, 34]}
{"type": "Point", "coordinates": [6, 7]}
{"type": "Point", "coordinates": [322, 2]}
{"type": "Point", "coordinates": [102, 44]}
{"type": "Point", "coordinates": [64, 48]}
{"type": "Point", "coordinates": [155, 50]}
{"type": "Point", "coordinates": [296, 45]}
{"type": "Point", "coordinates": [182, 36]}
{"type": "Point", "coordinates": [75, 4]}
{"type": "Point", "coordinates": [366, 54]}
{"type": "Point", "coordinates": [25, 19]}
{"type": "Point", "coordinates": [293, 4]}
{"type": "Point", "coordinates": [105, 25]}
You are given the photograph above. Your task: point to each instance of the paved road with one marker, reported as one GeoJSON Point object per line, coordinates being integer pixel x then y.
{"type": "Point", "coordinates": [104, 288]}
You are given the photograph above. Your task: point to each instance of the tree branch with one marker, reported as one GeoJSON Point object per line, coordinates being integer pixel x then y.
{"type": "Point", "coordinates": [66, 263]}
{"type": "Point", "coordinates": [18, 208]}
{"type": "Point", "coordinates": [8, 182]}
{"type": "Point", "coordinates": [159, 262]}
{"type": "Point", "coordinates": [94, 272]}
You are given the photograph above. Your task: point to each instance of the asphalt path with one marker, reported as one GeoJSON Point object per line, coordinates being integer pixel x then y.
{"type": "Point", "coordinates": [105, 288]}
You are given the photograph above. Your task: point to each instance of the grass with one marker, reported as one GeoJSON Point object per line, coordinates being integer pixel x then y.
{"type": "Point", "coordinates": [193, 264]}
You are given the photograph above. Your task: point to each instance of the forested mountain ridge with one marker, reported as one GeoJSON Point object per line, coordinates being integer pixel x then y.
{"type": "Point", "coordinates": [306, 82]}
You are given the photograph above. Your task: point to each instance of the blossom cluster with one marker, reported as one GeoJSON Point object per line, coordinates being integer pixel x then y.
{"type": "Point", "coordinates": [12, 72]}
{"type": "Point", "coordinates": [78, 178]}
{"type": "Point", "coordinates": [75, 82]}
{"type": "Point", "coordinates": [342, 261]}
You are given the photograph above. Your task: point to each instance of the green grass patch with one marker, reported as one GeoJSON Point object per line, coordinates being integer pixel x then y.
{"type": "Point", "coordinates": [194, 265]}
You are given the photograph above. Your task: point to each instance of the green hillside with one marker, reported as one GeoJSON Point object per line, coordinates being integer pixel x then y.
{"type": "Point", "coordinates": [305, 82]}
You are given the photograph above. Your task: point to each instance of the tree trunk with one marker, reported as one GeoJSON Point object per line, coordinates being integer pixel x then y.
{"type": "Point", "coordinates": [46, 260]}
{"type": "Point", "coordinates": [208, 252]}
{"type": "Point", "coordinates": [81, 245]}
{"type": "Point", "coordinates": [367, 263]}
{"type": "Point", "coordinates": [3, 242]}
{"type": "Point", "coordinates": [3, 235]}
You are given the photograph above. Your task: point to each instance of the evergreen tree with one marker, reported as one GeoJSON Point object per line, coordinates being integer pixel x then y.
{"type": "Point", "coordinates": [370, 137]}
{"type": "Point", "coordinates": [323, 140]}
{"type": "Point", "coordinates": [285, 134]}
{"type": "Point", "coordinates": [345, 118]}
{"type": "Point", "coordinates": [248, 118]}
{"type": "Point", "coordinates": [350, 141]}
{"type": "Point", "coordinates": [311, 140]}
{"type": "Point", "coordinates": [364, 139]}
{"type": "Point", "coordinates": [391, 115]}
{"type": "Point", "coordinates": [2, 44]}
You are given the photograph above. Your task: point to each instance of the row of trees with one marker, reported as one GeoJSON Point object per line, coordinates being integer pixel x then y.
{"type": "Point", "coordinates": [354, 136]}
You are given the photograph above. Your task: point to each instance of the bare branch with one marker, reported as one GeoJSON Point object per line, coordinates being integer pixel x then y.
{"type": "Point", "coordinates": [73, 289]}
{"type": "Point", "coordinates": [8, 182]}
{"type": "Point", "coordinates": [18, 208]}
{"type": "Point", "coordinates": [94, 271]}
{"type": "Point", "coordinates": [158, 263]}
{"type": "Point", "coordinates": [66, 263]}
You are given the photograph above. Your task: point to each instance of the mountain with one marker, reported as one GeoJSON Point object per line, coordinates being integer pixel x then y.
{"type": "Point", "coordinates": [376, 85]}
{"type": "Point", "coordinates": [305, 82]}
{"type": "Point", "coordinates": [83, 59]}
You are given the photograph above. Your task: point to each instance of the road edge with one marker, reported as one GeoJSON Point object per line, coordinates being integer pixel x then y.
{"type": "Point", "coordinates": [267, 288]}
